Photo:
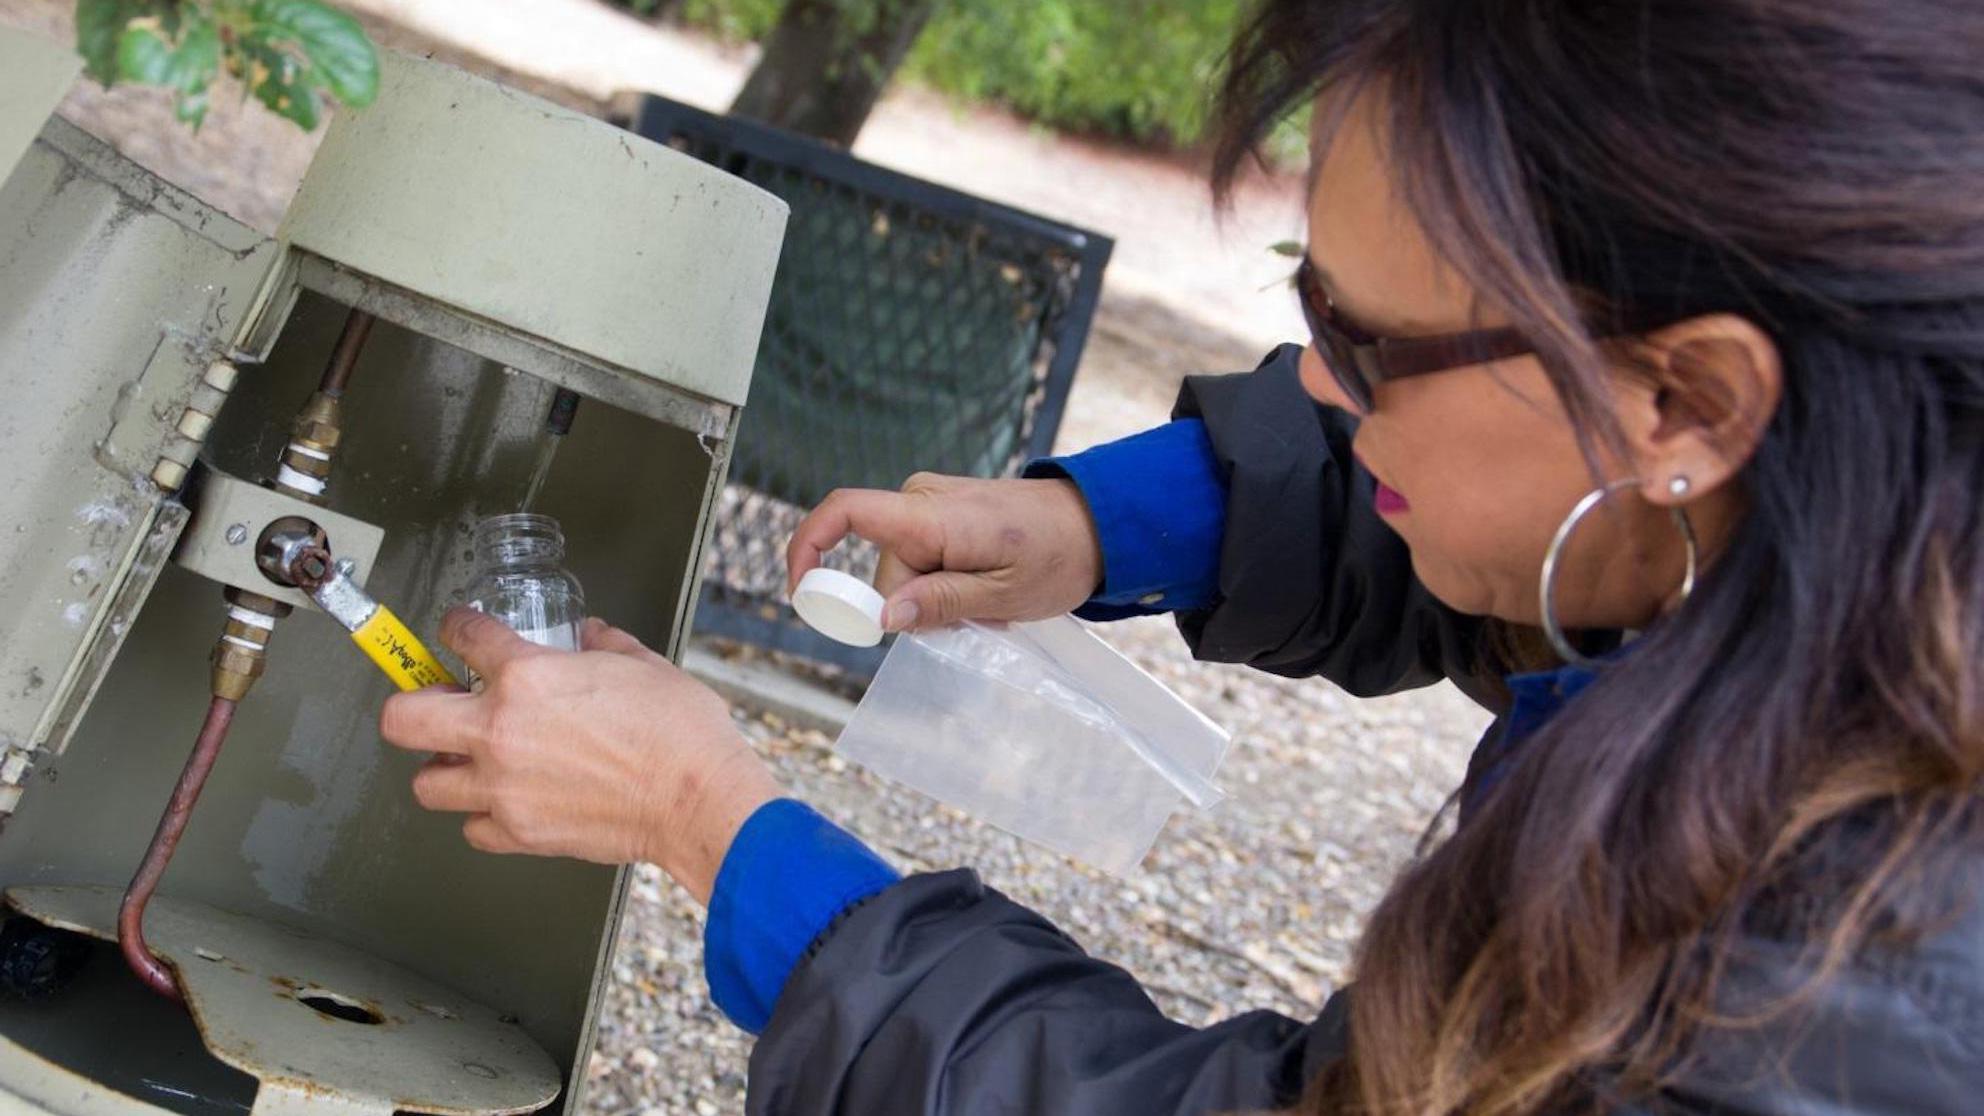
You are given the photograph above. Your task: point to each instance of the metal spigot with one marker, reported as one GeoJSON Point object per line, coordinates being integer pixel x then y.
{"type": "Point", "coordinates": [384, 638]}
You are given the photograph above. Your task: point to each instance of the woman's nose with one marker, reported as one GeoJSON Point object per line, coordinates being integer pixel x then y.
{"type": "Point", "coordinates": [1321, 384]}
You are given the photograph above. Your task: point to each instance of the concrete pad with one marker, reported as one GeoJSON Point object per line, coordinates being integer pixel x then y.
{"type": "Point", "coordinates": [761, 686]}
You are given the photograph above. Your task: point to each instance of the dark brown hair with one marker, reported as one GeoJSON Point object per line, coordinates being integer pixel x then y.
{"type": "Point", "coordinates": [1797, 751]}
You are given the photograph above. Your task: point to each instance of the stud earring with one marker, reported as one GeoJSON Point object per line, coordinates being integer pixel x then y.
{"type": "Point", "coordinates": [1679, 487]}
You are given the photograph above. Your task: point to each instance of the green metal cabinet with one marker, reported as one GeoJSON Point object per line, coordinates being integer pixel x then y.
{"type": "Point", "coordinates": [508, 248]}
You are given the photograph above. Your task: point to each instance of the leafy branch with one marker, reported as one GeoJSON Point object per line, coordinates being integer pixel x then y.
{"type": "Point", "coordinates": [288, 54]}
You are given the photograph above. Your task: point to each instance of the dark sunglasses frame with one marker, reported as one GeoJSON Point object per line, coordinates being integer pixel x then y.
{"type": "Point", "coordinates": [1359, 360]}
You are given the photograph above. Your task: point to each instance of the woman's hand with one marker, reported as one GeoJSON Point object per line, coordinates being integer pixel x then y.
{"type": "Point", "coordinates": [610, 754]}
{"type": "Point", "coordinates": [957, 548]}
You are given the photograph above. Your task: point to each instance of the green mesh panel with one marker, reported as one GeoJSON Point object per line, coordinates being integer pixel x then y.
{"type": "Point", "coordinates": [911, 327]}
{"type": "Point", "coordinates": [893, 344]}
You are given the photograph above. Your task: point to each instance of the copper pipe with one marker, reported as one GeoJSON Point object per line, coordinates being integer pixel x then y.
{"type": "Point", "coordinates": [357, 326]}
{"type": "Point", "coordinates": [131, 915]}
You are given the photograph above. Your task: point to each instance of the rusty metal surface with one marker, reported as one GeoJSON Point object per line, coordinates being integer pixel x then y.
{"type": "Point", "coordinates": [430, 1048]}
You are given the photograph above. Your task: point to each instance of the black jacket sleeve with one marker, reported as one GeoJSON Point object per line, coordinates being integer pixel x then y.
{"type": "Point", "coordinates": [1311, 580]}
{"type": "Point", "coordinates": [941, 996]}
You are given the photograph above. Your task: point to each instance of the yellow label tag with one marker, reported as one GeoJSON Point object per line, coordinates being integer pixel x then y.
{"type": "Point", "coordinates": [400, 653]}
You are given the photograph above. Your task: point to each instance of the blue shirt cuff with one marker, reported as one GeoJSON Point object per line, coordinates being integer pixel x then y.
{"type": "Point", "coordinates": [787, 876]}
{"type": "Point", "coordinates": [1159, 504]}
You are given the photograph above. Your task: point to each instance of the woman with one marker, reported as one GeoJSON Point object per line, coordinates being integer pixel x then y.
{"type": "Point", "coordinates": [1683, 319]}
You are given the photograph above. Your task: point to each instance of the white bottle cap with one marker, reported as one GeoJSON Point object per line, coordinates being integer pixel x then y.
{"type": "Point", "coordinates": [839, 606]}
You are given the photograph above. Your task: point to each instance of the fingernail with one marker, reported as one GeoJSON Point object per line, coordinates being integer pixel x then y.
{"type": "Point", "coordinates": [900, 616]}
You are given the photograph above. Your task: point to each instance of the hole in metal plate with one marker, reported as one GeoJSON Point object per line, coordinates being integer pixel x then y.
{"type": "Point", "coordinates": [338, 1007]}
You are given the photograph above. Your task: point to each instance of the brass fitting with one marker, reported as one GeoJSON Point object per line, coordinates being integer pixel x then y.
{"type": "Point", "coordinates": [236, 670]}
{"type": "Point", "coordinates": [320, 424]}
{"type": "Point", "coordinates": [242, 653]}
{"type": "Point", "coordinates": [305, 468]}
{"type": "Point", "coordinates": [308, 465]}
{"type": "Point", "coordinates": [267, 606]}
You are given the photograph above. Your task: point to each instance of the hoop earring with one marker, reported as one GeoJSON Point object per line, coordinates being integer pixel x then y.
{"type": "Point", "coordinates": [1551, 557]}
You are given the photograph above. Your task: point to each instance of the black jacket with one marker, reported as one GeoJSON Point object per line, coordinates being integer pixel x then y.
{"type": "Point", "coordinates": [942, 996]}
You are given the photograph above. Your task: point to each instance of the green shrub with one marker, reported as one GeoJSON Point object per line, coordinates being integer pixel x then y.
{"type": "Point", "coordinates": [1138, 69]}
{"type": "Point", "coordinates": [287, 53]}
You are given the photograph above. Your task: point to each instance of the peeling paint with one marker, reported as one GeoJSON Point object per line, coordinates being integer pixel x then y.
{"type": "Point", "coordinates": [85, 568]}
{"type": "Point", "coordinates": [104, 514]}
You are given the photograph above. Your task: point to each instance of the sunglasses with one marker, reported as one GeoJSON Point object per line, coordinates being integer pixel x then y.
{"type": "Point", "coordinates": [1360, 361]}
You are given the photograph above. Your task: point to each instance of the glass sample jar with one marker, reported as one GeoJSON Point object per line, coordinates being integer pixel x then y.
{"type": "Point", "coordinates": [521, 580]}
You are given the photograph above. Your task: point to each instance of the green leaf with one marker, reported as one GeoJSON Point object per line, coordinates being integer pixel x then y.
{"type": "Point", "coordinates": [99, 25]}
{"type": "Point", "coordinates": [142, 56]}
{"type": "Point", "coordinates": [191, 108]}
{"type": "Point", "coordinates": [278, 80]}
{"type": "Point", "coordinates": [187, 66]}
{"type": "Point", "coordinates": [1293, 249]}
{"type": "Point", "coordinates": [342, 58]}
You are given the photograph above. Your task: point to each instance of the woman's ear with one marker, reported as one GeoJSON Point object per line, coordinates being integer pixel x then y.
{"type": "Point", "coordinates": [1713, 383]}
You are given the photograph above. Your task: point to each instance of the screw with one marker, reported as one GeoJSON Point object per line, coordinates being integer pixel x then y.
{"type": "Point", "coordinates": [237, 534]}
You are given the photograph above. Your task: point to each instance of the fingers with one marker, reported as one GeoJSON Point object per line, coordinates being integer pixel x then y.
{"type": "Point", "coordinates": [436, 719]}
{"type": "Point", "coordinates": [450, 788]}
{"type": "Point", "coordinates": [483, 642]}
{"type": "Point", "coordinates": [482, 833]}
{"type": "Point", "coordinates": [889, 519]}
{"type": "Point", "coordinates": [936, 599]}
{"type": "Point", "coordinates": [892, 573]}
{"type": "Point", "coordinates": [598, 635]}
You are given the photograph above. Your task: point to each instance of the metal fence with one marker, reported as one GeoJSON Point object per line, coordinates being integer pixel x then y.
{"type": "Point", "coordinates": [912, 327]}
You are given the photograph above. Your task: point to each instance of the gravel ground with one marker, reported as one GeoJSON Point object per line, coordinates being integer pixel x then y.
{"type": "Point", "coordinates": [1254, 905]}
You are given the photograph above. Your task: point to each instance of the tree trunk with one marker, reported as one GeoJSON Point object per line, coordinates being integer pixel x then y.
{"type": "Point", "coordinates": [824, 66]}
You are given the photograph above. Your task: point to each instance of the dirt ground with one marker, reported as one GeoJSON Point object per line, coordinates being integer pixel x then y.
{"type": "Point", "coordinates": [1256, 904]}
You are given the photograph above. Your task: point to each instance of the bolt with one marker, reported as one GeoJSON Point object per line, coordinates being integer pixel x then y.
{"type": "Point", "coordinates": [312, 567]}
{"type": "Point", "coordinates": [237, 534]}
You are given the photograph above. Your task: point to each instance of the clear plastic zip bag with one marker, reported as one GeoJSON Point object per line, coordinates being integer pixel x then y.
{"type": "Point", "coordinates": [1041, 729]}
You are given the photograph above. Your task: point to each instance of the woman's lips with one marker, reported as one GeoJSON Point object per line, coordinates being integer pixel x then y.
{"type": "Point", "coordinates": [1387, 500]}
